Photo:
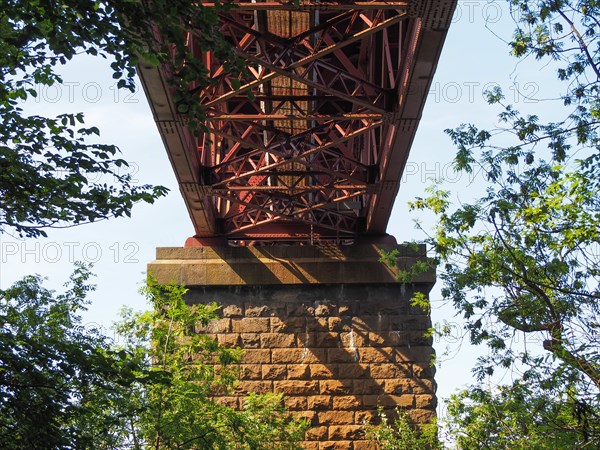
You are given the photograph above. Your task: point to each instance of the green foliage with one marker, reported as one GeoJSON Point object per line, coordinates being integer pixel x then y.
{"type": "Point", "coordinates": [47, 165]}
{"type": "Point", "coordinates": [176, 410]}
{"type": "Point", "coordinates": [522, 260]}
{"type": "Point", "coordinates": [63, 385]}
{"type": "Point", "coordinates": [521, 416]}
{"type": "Point", "coordinates": [402, 433]}
{"type": "Point", "coordinates": [59, 380]}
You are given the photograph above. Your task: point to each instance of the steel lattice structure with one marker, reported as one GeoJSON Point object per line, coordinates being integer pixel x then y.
{"type": "Point", "coordinates": [311, 147]}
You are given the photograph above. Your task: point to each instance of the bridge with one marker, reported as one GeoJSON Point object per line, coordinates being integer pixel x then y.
{"type": "Point", "coordinates": [310, 147]}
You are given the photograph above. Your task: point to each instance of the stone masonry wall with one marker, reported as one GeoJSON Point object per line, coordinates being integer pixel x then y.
{"type": "Point", "coordinates": [336, 351]}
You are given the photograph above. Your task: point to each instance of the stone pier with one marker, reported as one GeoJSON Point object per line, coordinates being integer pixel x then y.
{"type": "Point", "coordinates": [329, 326]}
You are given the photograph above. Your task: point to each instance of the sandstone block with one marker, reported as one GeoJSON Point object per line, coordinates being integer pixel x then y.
{"type": "Point", "coordinates": [402, 401]}
{"type": "Point", "coordinates": [257, 310]}
{"type": "Point", "coordinates": [316, 434]}
{"type": "Point", "coordinates": [232, 311]}
{"type": "Point", "coordinates": [364, 323]}
{"type": "Point", "coordinates": [421, 415]}
{"type": "Point", "coordinates": [250, 340]}
{"type": "Point", "coordinates": [250, 372]}
{"type": "Point", "coordinates": [309, 416]}
{"type": "Point", "coordinates": [297, 355]}
{"type": "Point", "coordinates": [365, 445]}
{"type": "Point", "coordinates": [317, 402]}
{"type": "Point", "coordinates": [376, 355]}
{"type": "Point", "coordinates": [318, 371]}
{"type": "Point", "coordinates": [295, 403]}
{"type": "Point", "coordinates": [364, 417]}
{"type": "Point", "coordinates": [218, 326]}
{"type": "Point", "coordinates": [274, 371]}
{"type": "Point", "coordinates": [229, 339]}
{"type": "Point", "coordinates": [324, 309]}
{"type": "Point", "coordinates": [335, 445]}
{"type": "Point", "coordinates": [297, 387]}
{"type": "Point", "coordinates": [289, 325]}
{"type": "Point", "coordinates": [419, 354]}
{"type": "Point", "coordinates": [397, 386]}
{"type": "Point", "coordinates": [353, 370]}
{"type": "Point", "coordinates": [422, 386]}
{"type": "Point", "coordinates": [341, 355]}
{"type": "Point", "coordinates": [259, 387]}
{"type": "Point", "coordinates": [367, 386]}
{"type": "Point", "coordinates": [349, 402]}
{"type": "Point", "coordinates": [317, 324]}
{"type": "Point", "coordinates": [250, 325]}
{"type": "Point", "coordinates": [390, 370]}
{"type": "Point", "coordinates": [353, 339]}
{"type": "Point", "coordinates": [345, 432]}
{"type": "Point", "coordinates": [423, 370]}
{"type": "Point", "coordinates": [425, 401]}
{"type": "Point", "coordinates": [335, 417]}
{"type": "Point", "coordinates": [387, 338]}
{"type": "Point", "coordinates": [328, 387]}
{"type": "Point", "coordinates": [277, 340]}
{"type": "Point", "coordinates": [298, 371]}
{"type": "Point", "coordinates": [327, 339]}
{"type": "Point", "coordinates": [258, 356]}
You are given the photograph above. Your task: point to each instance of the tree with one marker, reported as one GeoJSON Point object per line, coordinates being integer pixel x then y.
{"type": "Point", "coordinates": [47, 164]}
{"type": "Point", "coordinates": [522, 260]}
{"type": "Point", "coordinates": [175, 407]}
{"type": "Point", "coordinates": [64, 385]}
{"type": "Point", "coordinates": [51, 367]}
{"type": "Point", "coordinates": [401, 433]}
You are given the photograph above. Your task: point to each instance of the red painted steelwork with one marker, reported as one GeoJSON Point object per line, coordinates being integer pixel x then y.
{"type": "Point", "coordinates": [310, 146]}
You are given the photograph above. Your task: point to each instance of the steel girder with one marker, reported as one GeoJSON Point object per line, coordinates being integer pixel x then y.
{"type": "Point", "coordinates": [310, 143]}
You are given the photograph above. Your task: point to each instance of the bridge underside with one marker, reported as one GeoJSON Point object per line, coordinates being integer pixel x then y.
{"type": "Point", "coordinates": [309, 146]}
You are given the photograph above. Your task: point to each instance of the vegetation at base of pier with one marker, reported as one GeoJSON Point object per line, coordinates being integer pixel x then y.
{"type": "Point", "coordinates": [66, 385]}
{"type": "Point", "coordinates": [521, 264]}
{"type": "Point", "coordinates": [402, 433]}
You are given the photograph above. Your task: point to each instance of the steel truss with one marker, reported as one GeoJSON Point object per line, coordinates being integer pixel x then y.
{"type": "Point", "coordinates": [302, 146]}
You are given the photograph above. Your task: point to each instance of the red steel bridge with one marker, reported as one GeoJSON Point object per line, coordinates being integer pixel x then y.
{"type": "Point", "coordinates": [312, 147]}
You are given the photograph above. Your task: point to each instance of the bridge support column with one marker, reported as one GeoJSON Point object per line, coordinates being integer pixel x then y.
{"type": "Point", "coordinates": [330, 327]}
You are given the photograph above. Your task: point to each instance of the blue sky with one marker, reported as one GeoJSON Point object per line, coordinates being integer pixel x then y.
{"type": "Point", "coordinates": [474, 59]}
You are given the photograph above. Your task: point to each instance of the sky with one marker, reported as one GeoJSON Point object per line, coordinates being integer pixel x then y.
{"type": "Point", "coordinates": [474, 59]}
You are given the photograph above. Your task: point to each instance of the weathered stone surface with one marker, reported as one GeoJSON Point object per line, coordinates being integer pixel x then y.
{"type": "Point", "coordinates": [274, 371]}
{"type": "Point", "coordinates": [350, 402]}
{"type": "Point", "coordinates": [335, 417]}
{"type": "Point", "coordinates": [250, 325]}
{"type": "Point", "coordinates": [318, 402]}
{"type": "Point", "coordinates": [276, 340]}
{"type": "Point", "coordinates": [365, 445]}
{"type": "Point", "coordinates": [258, 356]}
{"type": "Point", "coordinates": [329, 387]}
{"type": "Point", "coordinates": [298, 371]}
{"type": "Point", "coordinates": [295, 403]}
{"type": "Point", "coordinates": [296, 387]}
{"type": "Point", "coordinates": [337, 349]}
{"type": "Point", "coordinates": [250, 372]}
{"type": "Point", "coordinates": [317, 434]}
{"type": "Point", "coordinates": [335, 445]}
{"type": "Point", "coordinates": [318, 371]}
{"type": "Point", "coordinates": [345, 432]}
